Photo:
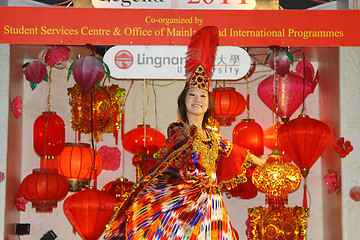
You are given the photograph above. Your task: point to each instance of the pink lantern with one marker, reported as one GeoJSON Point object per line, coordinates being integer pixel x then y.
{"type": "Point", "coordinates": [35, 72]}
{"type": "Point", "coordinates": [289, 94]}
{"type": "Point", "coordinates": [283, 61]}
{"type": "Point", "coordinates": [87, 71]}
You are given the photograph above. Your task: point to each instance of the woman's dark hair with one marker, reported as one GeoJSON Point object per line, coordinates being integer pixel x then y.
{"type": "Point", "coordinates": [182, 108]}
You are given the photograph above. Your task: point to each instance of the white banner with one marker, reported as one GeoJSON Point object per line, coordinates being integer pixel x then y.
{"type": "Point", "coordinates": [168, 62]}
{"type": "Point", "coordinates": [177, 4]}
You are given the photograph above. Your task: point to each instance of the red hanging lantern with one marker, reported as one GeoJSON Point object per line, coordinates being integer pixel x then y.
{"type": "Point", "coordinates": [77, 164]}
{"type": "Point", "coordinates": [289, 94]}
{"type": "Point", "coordinates": [249, 134]}
{"type": "Point", "coordinates": [88, 71]}
{"type": "Point", "coordinates": [89, 211]}
{"type": "Point", "coordinates": [44, 188]}
{"type": "Point", "coordinates": [229, 167]}
{"type": "Point", "coordinates": [35, 72]}
{"type": "Point", "coordinates": [271, 137]}
{"type": "Point", "coordinates": [276, 178]}
{"type": "Point", "coordinates": [49, 135]}
{"type": "Point", "coordinates": [304, 139]}
{"type": "Point", "coordinates": [228, 104]}
{"type": "Point", "coordinates": [143, 140]}
{"type": "Point", "coordinates": [118, 188]}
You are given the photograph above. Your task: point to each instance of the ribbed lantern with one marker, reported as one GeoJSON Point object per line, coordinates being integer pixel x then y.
{"type": "Point", "coordinates": [44, 188]}
{"type": "Point", "coordinates": [228, 104]}
{"type": "Point", "coordinates": [290, 91]}
{"type": "Point", "coordinates": [304, 139]}
{"type": "Point", "coordinates": [118, 188]}
{"type": "Point", "coordinates": [78, 165]}
{"type": "Point", "coordinates": [142, 139]}
{"type": "Point", "coordinates": [49, 134]}
{"type": "Point", "coordinates": [35, 72]}
{"type": "Point", "coordinates": [89, 211]}
{"type": "Point", "coordinates": [276, 178]}
{"type": "Point", "coordinates": [249, 134]}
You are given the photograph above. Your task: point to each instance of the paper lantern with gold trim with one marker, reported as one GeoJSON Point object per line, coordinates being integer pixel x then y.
{"type": "Point", "coordinates": [78, 165]}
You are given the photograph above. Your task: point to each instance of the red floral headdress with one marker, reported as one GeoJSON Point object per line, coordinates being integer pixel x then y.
{"type": "Point", "coordinates": [201, 56]}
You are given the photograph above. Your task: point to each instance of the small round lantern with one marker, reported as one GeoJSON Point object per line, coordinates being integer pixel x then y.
{"type": "Point", "coordinates": [250, 135]}
{"type": "Point", "coordinates": [143, 140]}
{"type": "Point", "coordinates": [118, 188]}
{"type": "Point", "coordinates": [228, 104]}
{"type": "Point", "coordinates": [44, 188]}
{"type": "Point", "coordinates": [276, 178]}
{"type": "Point", "coordinates": [77, 164]}
{"type": "Point", "coordinates": [49, 134]}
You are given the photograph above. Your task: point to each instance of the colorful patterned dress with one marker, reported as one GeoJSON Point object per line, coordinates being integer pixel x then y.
{"type": "Point", "coordinates": [180, 198]}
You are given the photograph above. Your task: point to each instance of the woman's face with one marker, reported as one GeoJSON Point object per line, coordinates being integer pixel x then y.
{"type": "Point", "coordinates": [196, 101]}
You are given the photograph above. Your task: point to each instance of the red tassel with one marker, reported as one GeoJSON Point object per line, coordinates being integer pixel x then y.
{"type": "Point", "coordinates": [305, 196]}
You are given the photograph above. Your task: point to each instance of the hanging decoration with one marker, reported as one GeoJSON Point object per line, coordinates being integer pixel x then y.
{"type": "Point", "coordinates": [355, 193]}
{"type": "Point", "coordinates": [276, 178]}
{"type": "Point", "coordinates": [230, 167]}
{"type": "Point", "coordinates": [20, 201]}
{"type": "Point", "coordinates": [111, 157]}
{"type": "Point", "coordinates": [88, 71]}
{"type": "Point", "coordinates": [118, 188]}
{"type": "Point", "coordinates": [143, 140]}
{"type": "Point", "coordinates": [16, 106]}
{"type": "Point", "coordinates": [106, 112]}
{"type": "Point", "coordinates": [271, 137]}
{"type": "Point", "coordinates": [289, 94]}
{"type": "Point", "coordinates": [35, 72]}
{"type": "Point", "coordinates": [304, 139]}
{"type": "Point", "coordinates": [280, 60]}
{"type": "Point", "coordinates": [305, 70]}
{"type": "Point", "coordinates": [48, 138]}
{"type": "Point", "coordinates": [333, 181]}
{"type": "Point", "coordinates": [343, 148]}
{"type": "Point", "coordinates": [78, 165]}
{"type": "Point", "coordinates": [49, 134]}
{"type": "Point", "coordinates": [55, 56]}
{"type": "Point", "coordinates": [270, 223]}
{"type": "Point", "coordinates": [89, 211]}
{"type": "Point", "coordinates": [228, 104]}
{"type": "Point", "coordinates": [44, 188]}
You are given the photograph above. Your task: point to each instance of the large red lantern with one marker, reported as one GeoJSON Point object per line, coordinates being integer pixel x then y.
{"type": "Point", "coordinates": [44, 188]}
{"type": "Point", "coordinates": [118, 188]}
{"type": "Point", "coordinates": [303, 140]}
{"type": "Point", "coordinates": [142, 140]}
{"type": "Point", "coordinates": [89, 211]}
{"type": "Point", "coordinates": [88, 71]}
{"type": "Point", "coordinates": [249, 134]}
{"type": "Point", "coordinates": [228, 104]}
{"type": "Point", "coordinates": [290, 89]}
{"type": "Point", "coordinates": [230, 167]}
{"type": "Point", "coordinates": [49, 135]}
{"type": "Point", "coordinates": [78, 165]}
{"type": "Point", "coordinates": [35, 72]}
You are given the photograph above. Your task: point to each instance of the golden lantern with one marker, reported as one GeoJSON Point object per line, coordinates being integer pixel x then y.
{"type": "Point", "coordinates": [104, 117]}
{"type": "Point", "coordinates": [269, 223]}
{"type": "Point", "coordinates": [276, 178]}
